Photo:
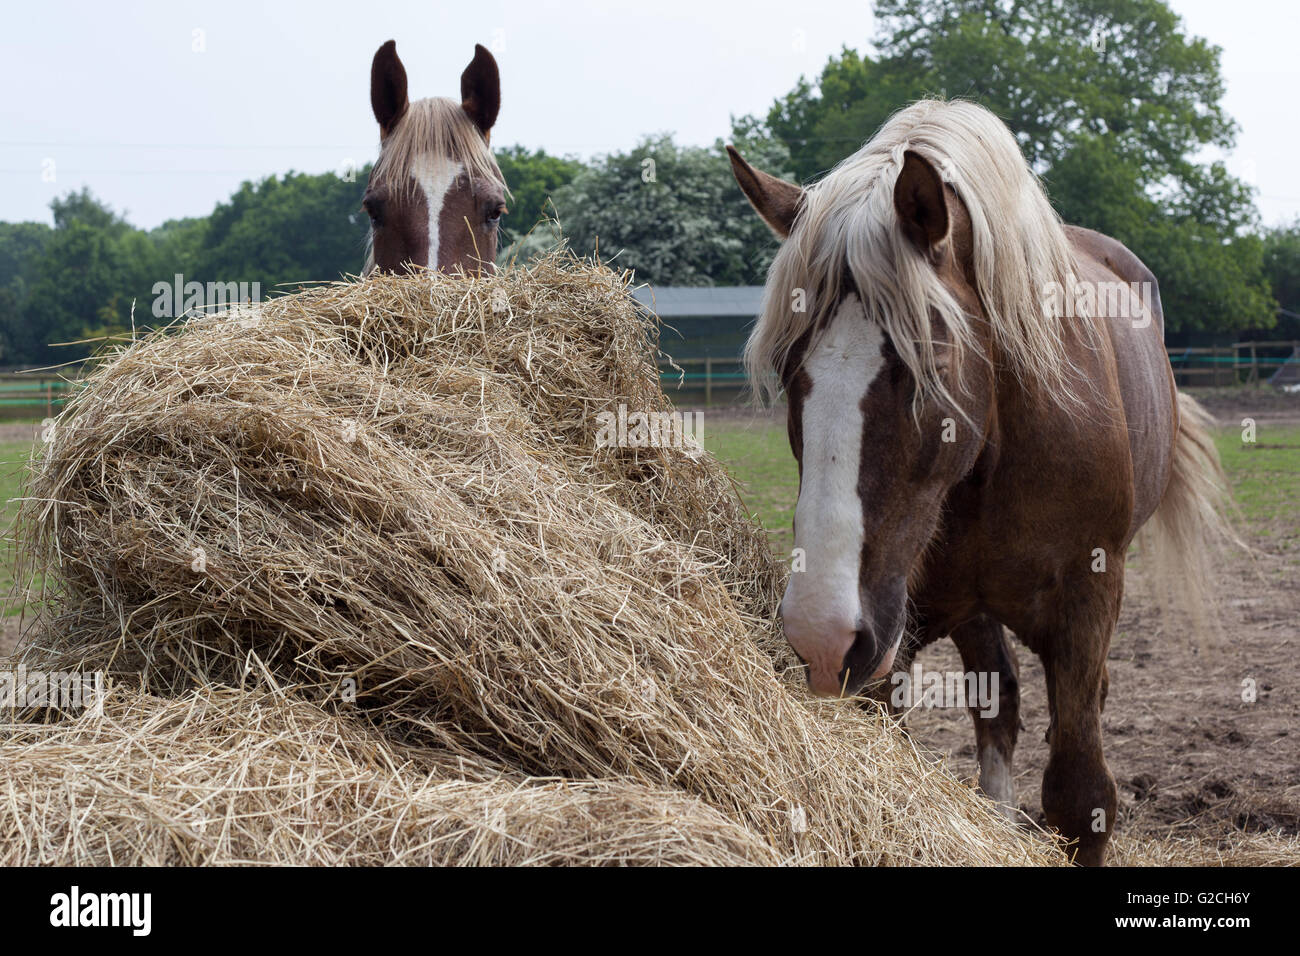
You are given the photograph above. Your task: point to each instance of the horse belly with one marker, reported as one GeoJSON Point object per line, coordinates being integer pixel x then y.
{"type": "Point", "coordinates": [1150, 411]}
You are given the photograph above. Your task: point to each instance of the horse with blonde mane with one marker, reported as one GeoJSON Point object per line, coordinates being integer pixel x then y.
{"type": "Point", "coordinates": [984, 416]}
{"type": "Point", "coordinates": [436, 195]}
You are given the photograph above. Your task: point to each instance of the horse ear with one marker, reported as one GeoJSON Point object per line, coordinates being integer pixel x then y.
{"type": "Point", "coordinates": [480, 90]}
{"type": "Point", "coordinates": [920, 203]}
{"type": "Point", "coordinates": [388, 87]}
{"type": "Point", "coordinates": [775, 200]}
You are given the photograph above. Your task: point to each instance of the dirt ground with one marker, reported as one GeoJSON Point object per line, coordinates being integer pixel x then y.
{"type": "Point", "coordinates": [1188, 753]}
{"type": "Point", "coordinates": [8, 635]}
{"type": "Point", "coordinates": [1184, 747]}
{"type": "Point", "coordinates": [10, 431]}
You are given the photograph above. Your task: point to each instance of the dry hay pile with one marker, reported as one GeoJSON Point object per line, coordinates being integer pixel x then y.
{"type": "Point", "coordinates": [360, 554]}
{"type": "Point", "coordinates": [1192, 845]}
{"type": "Point", "coordinates": [225, 776]}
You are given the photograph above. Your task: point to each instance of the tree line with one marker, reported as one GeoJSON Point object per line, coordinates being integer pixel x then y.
{"type": "Point", "coordinates": [1111, 101]}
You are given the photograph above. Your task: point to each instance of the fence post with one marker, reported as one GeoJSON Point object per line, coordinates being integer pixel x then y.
{"type": "Point", "coordinates": [708, 381]}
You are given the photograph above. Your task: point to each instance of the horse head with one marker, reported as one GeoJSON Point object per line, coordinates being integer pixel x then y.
{"type": "Point", "coordinates": [435, 196]}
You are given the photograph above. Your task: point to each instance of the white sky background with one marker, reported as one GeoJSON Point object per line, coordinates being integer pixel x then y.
{"type": "Point", "coordinates": [116, 97]}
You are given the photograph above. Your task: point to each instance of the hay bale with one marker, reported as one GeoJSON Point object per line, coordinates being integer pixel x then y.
{"type": "Point", "coordinates": [394, 486]}
{"type": "Point", "coordinates": [226, 777]}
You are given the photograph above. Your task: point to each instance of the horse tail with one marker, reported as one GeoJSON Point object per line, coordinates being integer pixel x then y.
{"type": "Point", "coordinates": [1191, 527]}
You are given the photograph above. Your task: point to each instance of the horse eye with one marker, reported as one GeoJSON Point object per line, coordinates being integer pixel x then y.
{"type": "Point", "coordinates": [373, 203]}
{"type": "Point", "coordinates": [495, 213]}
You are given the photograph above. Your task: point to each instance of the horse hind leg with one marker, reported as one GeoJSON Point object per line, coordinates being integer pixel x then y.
{"type": "Point", "coordinates": [986, 651]}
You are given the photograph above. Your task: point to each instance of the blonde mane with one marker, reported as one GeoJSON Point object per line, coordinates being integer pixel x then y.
{"type": "Point", "coordinates": [437, 126]}
{"type": "Point", "coordinates": [848, 229]}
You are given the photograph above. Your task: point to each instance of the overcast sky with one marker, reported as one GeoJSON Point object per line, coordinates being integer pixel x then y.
{"type": "Point", "coordinates": [115, 96]}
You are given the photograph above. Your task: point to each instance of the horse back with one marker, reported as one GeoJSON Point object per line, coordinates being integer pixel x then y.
{"type": "Point", "coordinates": [1129, 310]}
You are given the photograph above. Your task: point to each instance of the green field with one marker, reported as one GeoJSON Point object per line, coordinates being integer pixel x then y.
{"type": "Point", "coordinates": [14, 458]}
{"type": "Point", "coordinates": [758, 455]}
{"type": "Point", "coordinates": [1265, 474]}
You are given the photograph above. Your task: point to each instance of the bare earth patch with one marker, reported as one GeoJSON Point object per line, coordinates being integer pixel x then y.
{"type": "Point", "coordinates": [8, 635]}
{"type": "Point", "coordinates": [19, 432]}
{"type": "Point", "coordinates": [1188, 753]}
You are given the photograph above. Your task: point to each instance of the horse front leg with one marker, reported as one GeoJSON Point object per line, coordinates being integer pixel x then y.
{"type": "Point", "coordinates": [986, 651]}
{"type": "Point", "coordinates": [1080, 798]}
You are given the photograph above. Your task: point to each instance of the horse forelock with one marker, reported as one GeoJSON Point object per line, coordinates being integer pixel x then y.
{"type": "Point", "coordinates": [848, 237]}
{"type": "Point", "coordinates": [436, 127]}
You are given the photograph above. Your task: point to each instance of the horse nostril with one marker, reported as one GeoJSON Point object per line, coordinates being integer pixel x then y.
{"type": "Point", "coordinates": [824, 651]}
{"type": "Point", "coordinates": [867, 659]}
{"type": "Point", "coordinates": [860, 653]}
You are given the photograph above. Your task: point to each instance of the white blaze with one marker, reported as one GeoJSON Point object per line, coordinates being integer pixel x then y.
{"type": "Point", "coordinates": [435, 174]}
{"type": "Point", "coordinates": [822, 607]}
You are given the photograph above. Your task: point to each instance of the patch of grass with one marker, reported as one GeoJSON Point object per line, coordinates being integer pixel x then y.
{"type": "Point", "coordinates": [14, 459]}
{"type": "Point", "coordinates": [1265, 479]}
{"type": "Point", "coordinates": [757, 453]}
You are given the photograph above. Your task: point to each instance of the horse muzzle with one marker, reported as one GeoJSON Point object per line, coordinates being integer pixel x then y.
{"type": "Point", "coordinates": [841, 667]}
{"type": "Point", "coordinates": [843, 659]}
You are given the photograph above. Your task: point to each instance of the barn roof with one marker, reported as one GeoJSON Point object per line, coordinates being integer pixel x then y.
{"type": "Point", "coordinates": [719, 300]}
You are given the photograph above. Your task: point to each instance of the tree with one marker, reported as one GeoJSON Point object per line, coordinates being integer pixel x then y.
{"type": "Point", "coordinates": [78, 287]}
{"type": "Point", "coordinates": [1059, 69]}
{"type": "Point", "coordinates": [21, 246]}
{"type": "Point", "coordinates": [533, 177]}
{"type": "Point", "coordinates": [672, 214]}
{"type": "Point", "coordinates": [1281, 254]}
{"type": "Point", "coordinates": [92, 278]}
{"type": "Point", "coordinates": [82, 207]}
{"type": "Point", "coordinates": [1111, 102]}
{"type": "Point", "coordinates": [295, 228]}
{"type": "Point", "coordinates": [821, 125]}
{"type": "Point", "coordinates": [1210, 270]}
{"type": "Point", "coordinates": [179, 242]}
{"type": "Point", "coordinates": [94, 274]}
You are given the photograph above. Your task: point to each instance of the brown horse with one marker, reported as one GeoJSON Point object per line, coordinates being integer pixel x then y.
{"type": "Point", "coordinates": [436, 196]}
{"type": "Point", "coordinates": [984, 415]}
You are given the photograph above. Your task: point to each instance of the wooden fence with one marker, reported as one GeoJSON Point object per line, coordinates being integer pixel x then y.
{"type": "Point", "coordinates": [1239, 363]}
{"type": "Point", "coordinates": [33, 394]}
{"type": "Point", "coordinates": [1242, 363]}
{"type": "Point", "coordinates": [43, 394]}
{"type": "Point", "coordinates": [706, 374]}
